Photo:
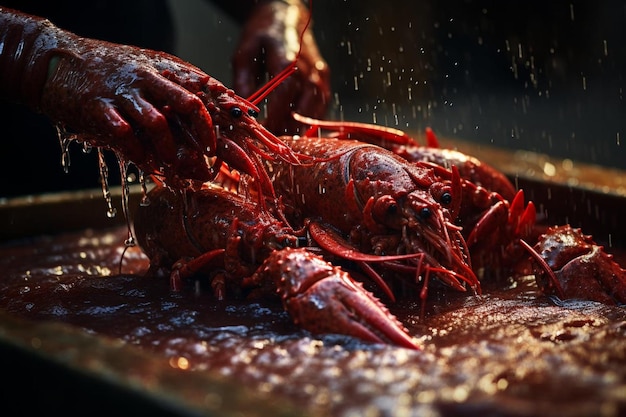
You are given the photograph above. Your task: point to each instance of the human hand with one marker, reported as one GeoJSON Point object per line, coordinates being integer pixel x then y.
{"type": "Point", "coordinates": [144, 105]}
{"type": "Point", "coordinates": [152, 109]}
{"type": "Point", "coordinates": [270, 41]}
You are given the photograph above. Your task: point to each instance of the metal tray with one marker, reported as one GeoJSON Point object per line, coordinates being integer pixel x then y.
{"type": "Point", "coordinates": [64, 368]}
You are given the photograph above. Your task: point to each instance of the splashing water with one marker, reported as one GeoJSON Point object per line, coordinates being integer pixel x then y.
{"type": "Point", "coordinates": [87, 147]}
{"type": "Point", "coordinates": [130, 241]}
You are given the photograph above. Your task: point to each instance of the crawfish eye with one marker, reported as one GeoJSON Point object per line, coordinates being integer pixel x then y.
{"type": "Point", "coordinates": [236, 112]}
{"type": "Point", "coordinates": [446, 198]}
{"type": "Point", "coordinates": [425, 213]}
{"type": "Point", "coordinates": [253, 113]}
{"type": "Point", "coordinates": [385, 210]}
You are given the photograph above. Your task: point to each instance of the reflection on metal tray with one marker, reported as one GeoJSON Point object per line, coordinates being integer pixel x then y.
{"type": "Point", "coordinates": [91, 374]}
{"type": "Point", "coordinates": [61, 212]}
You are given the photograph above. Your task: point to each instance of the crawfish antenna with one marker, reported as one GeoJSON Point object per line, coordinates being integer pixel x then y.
{"type": "Point", "coordinates": [271, 85]}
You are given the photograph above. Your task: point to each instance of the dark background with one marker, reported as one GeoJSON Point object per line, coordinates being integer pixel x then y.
{"type": "Point", "coordinates": [539, 76]}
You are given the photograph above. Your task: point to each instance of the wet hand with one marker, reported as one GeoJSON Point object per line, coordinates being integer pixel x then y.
{"type": "Point", "coordinates": [270, 41]}
{"type": "Point", "coordinates": [141, 104]}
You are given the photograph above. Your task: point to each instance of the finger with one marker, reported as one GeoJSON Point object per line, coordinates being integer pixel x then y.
{"type": "Point", "coordinates": [190, 108]}
{"type": "Point", "coordinates": [192, 165]}
{"type": "Point", "coordinates": [297, 93]}
{"type": "Point", "coordinates": [152, 123]}
{"type": "Point", "coordinates": [194, 113]}
{"type": "Point", "coordinates": [315, 95]}
{"type": "Point", "coordinates": [312, 102]}
{"type": "Point", "coordinates": [323, 73]}
{"type": "Point", "coordinates": [118, 131]}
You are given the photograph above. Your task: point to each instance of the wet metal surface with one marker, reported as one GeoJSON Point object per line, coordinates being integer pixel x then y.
{"type": "Point", "coordinates": [113, 338]}
{"type": "Point", "coordinates": [508, 352]}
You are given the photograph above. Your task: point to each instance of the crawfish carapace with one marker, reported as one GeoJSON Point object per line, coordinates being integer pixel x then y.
{"type": "Point", "coordinates": [399, 142]}
{"type": "Point", "coordinates": [378, 204]}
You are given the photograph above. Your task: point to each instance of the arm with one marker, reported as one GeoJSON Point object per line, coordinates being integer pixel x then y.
{"type": "Point", "coordinates": [115, 96]}
{"type": "Point", "coordinates": [269, 42]}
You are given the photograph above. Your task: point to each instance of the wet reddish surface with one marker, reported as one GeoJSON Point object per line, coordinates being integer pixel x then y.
{"type": "Point", "coordinates": [510, 351]}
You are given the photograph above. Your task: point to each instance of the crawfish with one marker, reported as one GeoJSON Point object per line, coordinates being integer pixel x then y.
{"type": "Point", "coordinates": [491, 213]}
{"type": "Point", "coordinates": [243, 248]}
{"type": "Point", "coordinates": [370, 200]}
{"type": "Point", "coordinates": [497, 224]}
{"type": "Point", "coordinates": [356, 202]}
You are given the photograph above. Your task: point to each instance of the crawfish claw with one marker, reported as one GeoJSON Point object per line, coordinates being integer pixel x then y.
{"type": "Point", "coordinates": [581, 266]}
{"type": "Point", "coordinates": [323, 298]}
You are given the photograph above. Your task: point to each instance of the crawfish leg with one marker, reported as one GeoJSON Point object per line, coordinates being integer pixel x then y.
{"type": "Point", "coordinates": [322, 298]}
{"type": "Point", "coordinates": [186, 267]}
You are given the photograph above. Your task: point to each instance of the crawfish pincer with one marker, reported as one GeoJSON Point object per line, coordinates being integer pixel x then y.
{"type": "Point", "coordinates": [322, 298]}
{"type": "Point", "coordinates": [582, 268]}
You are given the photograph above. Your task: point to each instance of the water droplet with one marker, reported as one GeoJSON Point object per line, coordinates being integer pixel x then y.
{"type": "Point", "coordinates": [124, 165]}
{"type": "Point", "coordinates": [64, 140]}
{"type": "Point", "coordinates": [145, 200]}
{"type": "Point", "coordinates": [104, 181]}
{"type": "Point", "coordinates": [87, 147]}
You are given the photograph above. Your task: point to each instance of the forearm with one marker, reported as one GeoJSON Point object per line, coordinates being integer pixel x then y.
{"type": "Point", "coordinates": [28, 45]}
{"type": "Point", "coordinates": [145, 105]}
